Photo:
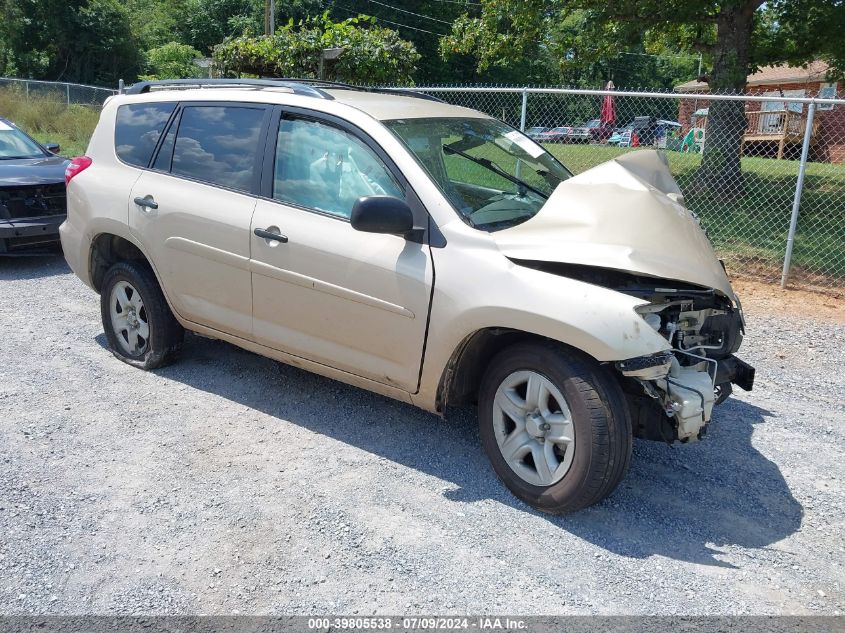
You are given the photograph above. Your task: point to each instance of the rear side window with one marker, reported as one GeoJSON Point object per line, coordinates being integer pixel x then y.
{"type": "Point", "coordinates": [218, 145]}
{"type": "Point", "coordinates": [137, 130]}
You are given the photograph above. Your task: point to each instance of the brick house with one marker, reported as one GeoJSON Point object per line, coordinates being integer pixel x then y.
{"type": "Point", "coordinates": [777, 128]}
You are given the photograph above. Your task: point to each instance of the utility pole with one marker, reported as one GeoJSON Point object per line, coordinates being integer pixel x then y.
{"type": "Point", "coordinates": [269, 17]}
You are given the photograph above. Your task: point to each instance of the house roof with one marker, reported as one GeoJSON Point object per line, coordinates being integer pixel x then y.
{"type": "Point", "coordinates": [782, 74]}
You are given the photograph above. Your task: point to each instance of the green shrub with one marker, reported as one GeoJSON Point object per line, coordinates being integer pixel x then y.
{"type": "Point", "coordinates": [371, 54]}
{"type": "Point", "coordinates": [172, 61]}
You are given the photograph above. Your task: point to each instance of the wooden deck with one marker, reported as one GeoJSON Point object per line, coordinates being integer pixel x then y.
{"type": "Point", "coordinates": [783, 127]}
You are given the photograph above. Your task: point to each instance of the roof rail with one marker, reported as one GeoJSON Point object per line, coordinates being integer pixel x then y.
{"type": "Point", "coordinates": [339, 85]}
{"type": "Point", "coordinates": [305, 87]}
{"type": "Point", "coordinates": [297, 87]}
{"type": "Point", "coordinates": [405, 93]}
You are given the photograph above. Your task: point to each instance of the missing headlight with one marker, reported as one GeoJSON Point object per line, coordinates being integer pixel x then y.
{"type": "Point", "coordinates": [649, 367]}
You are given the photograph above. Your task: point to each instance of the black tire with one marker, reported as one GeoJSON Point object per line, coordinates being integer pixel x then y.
{"type": "Point", "coordinates": [165, 332]}
{"type": "Point", "coordinates": [600, 417]}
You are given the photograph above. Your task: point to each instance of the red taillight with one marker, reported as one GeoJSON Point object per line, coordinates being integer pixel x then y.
{"type": "Point", "coordinates": [78, 164]}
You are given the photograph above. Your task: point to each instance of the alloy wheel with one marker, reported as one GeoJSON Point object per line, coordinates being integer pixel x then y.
{"type": "Point", "coordinates": [533, 428]}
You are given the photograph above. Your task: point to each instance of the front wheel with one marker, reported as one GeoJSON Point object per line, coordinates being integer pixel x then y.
{"type": "Point", "coordinates": [138, 323]}
{"type": "Point", "coordinates": [555, 426]}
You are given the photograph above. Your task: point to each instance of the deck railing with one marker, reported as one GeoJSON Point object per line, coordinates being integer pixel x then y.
{"type": "Point", "coordinates": [776, 123]}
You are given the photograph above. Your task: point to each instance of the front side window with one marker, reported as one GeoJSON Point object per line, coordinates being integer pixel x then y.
{"type": "Point", "coordinates": [137, 130]}
{"type": "Point", "coordinates": [327, 169]}
{"type": "Point", "coordinates": [493, 175]}
{"type": "Point", "coordinates": [218, 145]}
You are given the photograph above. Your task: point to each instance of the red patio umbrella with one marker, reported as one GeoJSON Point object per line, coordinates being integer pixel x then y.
{"type": "Point", "coordinates": [608, 108]}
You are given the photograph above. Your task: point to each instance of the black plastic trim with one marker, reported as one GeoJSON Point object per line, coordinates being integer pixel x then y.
{"type": "Point", "coordinates": [740, 373]}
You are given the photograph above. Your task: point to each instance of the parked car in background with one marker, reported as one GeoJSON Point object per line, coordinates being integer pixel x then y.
{"type": "Point", "coordinates": [304, 222]}
{"type": "Point", "coordinates": [593, 131]}
{"type": "Point", "coordinates": [555, 135]}
{"type": "Point", "coordinates": [617, 136]}
{"type": "Point", "coordinates": [534, 132]}
{"type": "Point", "coordinates": [643, 131]}
{"type": "Point", "coordinates": [32, 192]}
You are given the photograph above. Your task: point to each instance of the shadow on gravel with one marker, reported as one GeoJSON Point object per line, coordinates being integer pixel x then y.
{"type": "Point", "coordinates": [682, 501]}
{"type": "Point", "coordinates": [32, 267]}
{"type": "Point", "coordinates": [677, 502]}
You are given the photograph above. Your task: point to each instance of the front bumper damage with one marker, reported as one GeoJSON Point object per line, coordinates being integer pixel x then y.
{"type": "Point", "coordinates": [623, 225]}
{"type": "Point", "coordinates": [674, 402]}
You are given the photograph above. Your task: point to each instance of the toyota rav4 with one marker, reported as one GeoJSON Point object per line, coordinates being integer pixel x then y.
{"type": "Point", "coordinates": [423, 251]}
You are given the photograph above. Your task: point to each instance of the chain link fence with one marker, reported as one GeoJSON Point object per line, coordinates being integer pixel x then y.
{"type": "Point", "coordinates": [70, 94]}
{"type": "Point", "coordinates": [780, 217]}
{"type": "Point", "coordinates": [748, 215]}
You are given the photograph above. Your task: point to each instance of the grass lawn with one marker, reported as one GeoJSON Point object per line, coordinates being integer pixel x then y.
{"type": "Point", "coordinates": [69, 146]}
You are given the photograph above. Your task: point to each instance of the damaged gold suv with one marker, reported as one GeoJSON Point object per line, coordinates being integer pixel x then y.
{"type": "Point", "coordinates": [423, 251]}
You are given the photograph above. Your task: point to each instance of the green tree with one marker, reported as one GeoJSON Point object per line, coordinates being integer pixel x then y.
{"type": "Point", "coordinates": [172, 61]}
{"type": "Point", "coordinates": [87, 41]}
{"type": "Point", "coordinates": [371, 54]}
{"type": "Point", "coordinates": [206, 23]}
{"type": "Point", "coordinates": [735, 36]}
{"type": "Point", "coordinates": [154, 23]}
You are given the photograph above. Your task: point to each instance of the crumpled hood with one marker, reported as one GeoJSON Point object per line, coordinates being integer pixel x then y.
{"type": "Point", "coordinates": [626, 214]}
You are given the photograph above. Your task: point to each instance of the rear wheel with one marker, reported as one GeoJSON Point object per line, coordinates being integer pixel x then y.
{"type": "Point", "coordinates": [138, 323]}
{"type": "Point", "coordinates": [555, 426]}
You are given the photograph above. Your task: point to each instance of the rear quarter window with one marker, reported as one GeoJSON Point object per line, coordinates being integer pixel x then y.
{"type": "Point", "coordinates": [137, 130]}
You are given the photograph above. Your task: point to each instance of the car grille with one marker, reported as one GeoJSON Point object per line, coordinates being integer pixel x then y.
{"type": "Point", "coordinates": [32, 201]}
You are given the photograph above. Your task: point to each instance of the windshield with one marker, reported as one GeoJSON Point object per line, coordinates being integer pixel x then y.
{"type": "Point", "coordinates": [16, 144]}
{"type": "Point", "coordinates": [494, 176]}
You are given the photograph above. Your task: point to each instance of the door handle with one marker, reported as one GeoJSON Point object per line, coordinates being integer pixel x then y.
{"type": "Point", "coordinates": [146, 201]}
{"type": "Point", "coordinates": [269, 235]}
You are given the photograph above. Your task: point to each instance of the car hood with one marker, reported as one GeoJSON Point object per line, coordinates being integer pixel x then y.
{"type": "Point", "coordinates": [32, 171]}
{"type": "Point", "coordinates": [626, 214]}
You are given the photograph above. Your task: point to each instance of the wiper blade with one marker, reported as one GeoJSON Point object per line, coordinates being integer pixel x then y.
{"type": "Point", "coordinates": [489, 164]}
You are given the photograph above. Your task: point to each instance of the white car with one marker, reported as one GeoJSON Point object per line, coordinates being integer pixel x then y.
{"type": "Point", "coordinates": [420, 250]}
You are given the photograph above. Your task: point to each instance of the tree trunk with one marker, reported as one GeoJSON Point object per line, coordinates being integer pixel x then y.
{"type": "Point", "coordinates": [720, 170]}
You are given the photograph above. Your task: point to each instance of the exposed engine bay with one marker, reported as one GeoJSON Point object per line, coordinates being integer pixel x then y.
{"type": "Point", "coordinates": [671, 394]}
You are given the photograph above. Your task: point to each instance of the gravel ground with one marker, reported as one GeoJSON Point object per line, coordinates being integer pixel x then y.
{"type": "Point", "coordinates": [231, 484]}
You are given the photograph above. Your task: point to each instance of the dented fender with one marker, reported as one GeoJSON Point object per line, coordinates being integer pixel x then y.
{"type": "Point", "coordinates": [600, 322]}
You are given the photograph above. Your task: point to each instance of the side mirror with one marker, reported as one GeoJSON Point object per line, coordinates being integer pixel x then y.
{"type": "Point", "coordinates": [53, 148]}
{"type": "Point", "coordinates": [382, 214]}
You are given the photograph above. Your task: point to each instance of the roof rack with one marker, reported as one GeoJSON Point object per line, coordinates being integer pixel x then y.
{"type": "Point", "coordinates": [297, 87]}
{"type": "Point", "coordinates": [339, 85]}
{"type": "Point", "coordinates": [304, 87]}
